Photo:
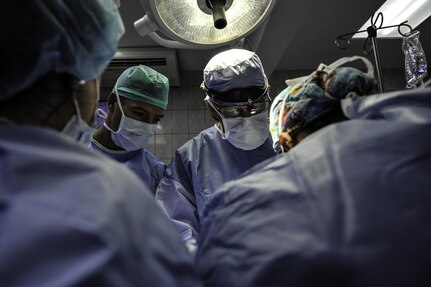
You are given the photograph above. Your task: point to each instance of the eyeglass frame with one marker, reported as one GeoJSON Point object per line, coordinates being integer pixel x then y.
{"type": "Point", "coordinates": [241, 107]}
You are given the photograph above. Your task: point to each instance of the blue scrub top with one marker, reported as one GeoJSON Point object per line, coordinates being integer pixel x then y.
{"type": "Point", "coordinates": [72, 217]}
{"type": "Point", "coordinates": [146, 165]}
{"type": "Point", "coordinates": [348, 206]}
{"type": "Point", "coordinates": [197, 169]}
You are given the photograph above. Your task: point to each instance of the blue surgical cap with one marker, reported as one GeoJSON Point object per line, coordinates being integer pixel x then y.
{"type": "Point", "coordinates": [77, 37]}
{"type": "Point", "coordinates": [234, 69]}
{"type": "Point", "coordinates": [143, 84]}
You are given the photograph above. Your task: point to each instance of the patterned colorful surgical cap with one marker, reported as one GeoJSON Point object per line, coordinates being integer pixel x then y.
{"type": "Point", "coordinates": [316, 96]}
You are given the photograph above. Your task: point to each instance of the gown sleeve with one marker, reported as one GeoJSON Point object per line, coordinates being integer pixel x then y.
{"type": "Point", "coordinates": [175, 195]}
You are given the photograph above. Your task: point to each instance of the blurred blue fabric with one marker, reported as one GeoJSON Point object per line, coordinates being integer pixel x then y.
{"type": "Point", "coordinates": [75, 37]}
{"type": "Point", "coordinates": [350, 205]}
{"type": "Point", "coordinates": [72, 217]}
{"type": "Point", "coordinates": [145, 165]}
{"type": "Point", "coordinates": [197, 169]}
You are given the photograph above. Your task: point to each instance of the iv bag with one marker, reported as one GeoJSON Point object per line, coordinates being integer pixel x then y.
{"type": "Point", "coordinates": [415, 60]}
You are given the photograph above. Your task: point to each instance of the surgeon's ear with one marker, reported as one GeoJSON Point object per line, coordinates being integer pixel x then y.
{"type": "Point", "coordinates": [112, 100]}
{"type": "Point", "coordinates": [214, 114]}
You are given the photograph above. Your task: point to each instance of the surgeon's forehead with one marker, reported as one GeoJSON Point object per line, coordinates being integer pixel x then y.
{"type": "Point", "coordinates": [141, 105]}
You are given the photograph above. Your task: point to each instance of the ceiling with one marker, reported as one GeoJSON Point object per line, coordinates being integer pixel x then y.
{"type": "Point", "coordinates": [298, 36]}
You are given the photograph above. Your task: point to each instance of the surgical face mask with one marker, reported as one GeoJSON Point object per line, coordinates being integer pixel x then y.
{"type": "Point", "coordinates": [245, 133]}
{"type": "Point", "coordinates": [131, 134]}
{"type": "Point", "coordinates": [77, 128]}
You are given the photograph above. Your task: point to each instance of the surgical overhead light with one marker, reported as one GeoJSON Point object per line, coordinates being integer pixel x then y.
{"type": "Point", "coordinates": [201, 23]}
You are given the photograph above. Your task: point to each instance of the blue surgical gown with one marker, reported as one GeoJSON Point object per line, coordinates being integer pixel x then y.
{"type": "Point", "coordinates": [146, 165]}
{"type": "Point", "coordinates": [348, 206]}
{"type": "Point", "coordinates": [197, 169]}
{"type": "Point", "coordinates": [72, 217]}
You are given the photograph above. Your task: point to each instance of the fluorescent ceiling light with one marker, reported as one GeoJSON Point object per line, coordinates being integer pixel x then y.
{"type": "Point", "coordinates": [395, 12]}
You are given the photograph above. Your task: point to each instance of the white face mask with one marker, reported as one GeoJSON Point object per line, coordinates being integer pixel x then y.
{"type": "Point", "coordinates": [244, 133]}
{"type": "Point", "coordinates": [131, 134]}
{"type": "Point", "coordinates": [77, 128]}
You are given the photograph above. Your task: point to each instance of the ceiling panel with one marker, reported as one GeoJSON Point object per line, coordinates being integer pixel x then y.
{"type": "Point", "coordinates": [299, 35]}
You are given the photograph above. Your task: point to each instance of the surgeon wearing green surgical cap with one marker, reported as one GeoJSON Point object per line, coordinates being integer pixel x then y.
{"type": "Point", "coordinates": [135, 107]}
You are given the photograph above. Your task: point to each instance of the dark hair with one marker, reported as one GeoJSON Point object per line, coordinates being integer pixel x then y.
{"type": "Point", "coordinates": [334, 115]}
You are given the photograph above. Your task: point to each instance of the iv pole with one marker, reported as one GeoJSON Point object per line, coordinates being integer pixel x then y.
{"type": "Point", "coordinates": [343, 42]}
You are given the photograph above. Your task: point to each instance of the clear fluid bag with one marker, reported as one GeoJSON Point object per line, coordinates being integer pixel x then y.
{"type": "Point", "coordinates": [415, 60]}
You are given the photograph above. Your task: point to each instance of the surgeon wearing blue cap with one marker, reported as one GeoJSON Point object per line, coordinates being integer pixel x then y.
{"type": "Point", "coordinates": [237, 95]}
{"type": "Point", "coordinates": [69, 216]}
{"type": "Point", "coordinates": [347, 203]}
{"type": "Point", "coordinates": [135, 107]}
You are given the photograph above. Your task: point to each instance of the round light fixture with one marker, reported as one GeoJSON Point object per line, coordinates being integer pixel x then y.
{"type": "Point", "coordinates": [207, 22]}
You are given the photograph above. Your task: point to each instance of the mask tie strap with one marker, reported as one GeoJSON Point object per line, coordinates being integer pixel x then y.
{"type": "Point", "coordinates": [101, 113]}
{"type": "Point", "coordinates": [78, 117]}
{"type": "Point", "coordinates": [208, 99]}
{"type": "Point", "coordinates": [120, 126]}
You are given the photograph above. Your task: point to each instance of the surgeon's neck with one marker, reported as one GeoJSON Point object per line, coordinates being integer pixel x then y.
{"type": "Point", "coordinates": [47, 103]}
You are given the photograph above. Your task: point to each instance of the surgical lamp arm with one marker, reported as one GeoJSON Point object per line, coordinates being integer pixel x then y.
{"type": "Point", "coordinates": [147, 27]}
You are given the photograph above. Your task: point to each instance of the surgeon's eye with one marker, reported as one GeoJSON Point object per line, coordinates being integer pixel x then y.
{"type": "Point", "coordinates": [252, 111]}
{"type": "Point", "coordinates": [139, 114]}
{"type": "Point", "coordinates": [142, 115]}
{"type": "Point", "coordinates": [230, 112]}
{"type": "Point", "coordinates": [156, 119]}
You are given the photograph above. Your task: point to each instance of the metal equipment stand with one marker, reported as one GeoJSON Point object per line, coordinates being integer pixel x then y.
{"type": "Point", "coordinates": [343, 42]}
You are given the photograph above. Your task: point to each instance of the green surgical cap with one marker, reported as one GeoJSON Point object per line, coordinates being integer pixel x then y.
{"type": "Point", "coordinates": [143, 84]}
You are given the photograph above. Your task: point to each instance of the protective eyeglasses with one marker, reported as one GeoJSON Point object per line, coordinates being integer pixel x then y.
{"type": "Point", "coordinates": [240, 95]}
{"type": "Point", "coordinates": [244, 109]}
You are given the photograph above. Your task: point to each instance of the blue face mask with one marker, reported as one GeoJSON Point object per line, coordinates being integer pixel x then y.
{"type": "Point", "coordinates": [78, 129]}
